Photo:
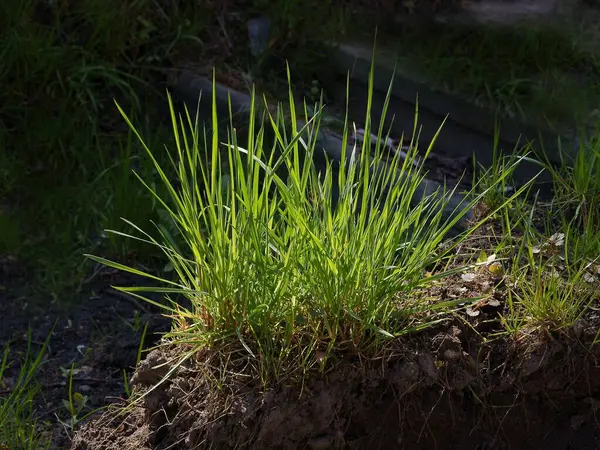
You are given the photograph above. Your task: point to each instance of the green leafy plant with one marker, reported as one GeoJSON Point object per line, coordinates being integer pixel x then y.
{"type": "Point", "coordinates": [74, 404]}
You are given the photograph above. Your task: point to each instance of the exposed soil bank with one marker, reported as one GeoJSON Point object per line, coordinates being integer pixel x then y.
{"type": "Point", "coordinates": [445, 389]}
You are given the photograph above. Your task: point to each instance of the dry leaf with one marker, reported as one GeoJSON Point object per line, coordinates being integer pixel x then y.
{"type": "Point", "coordinates": [588, 277]}
{"type": "Point", "coordinates": [491, 258]}
{"type": "Point", "coordinates": [468, 277]}
{"type": "Point", "coordinates": [557, 239]}
{"type": "Point", "coordinates": [473, 313]}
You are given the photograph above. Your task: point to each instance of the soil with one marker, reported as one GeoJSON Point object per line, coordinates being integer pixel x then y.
{"type": "Point", "coordinates": [95, 332]}
{"type": "Point", "coordinates": [417, 398]}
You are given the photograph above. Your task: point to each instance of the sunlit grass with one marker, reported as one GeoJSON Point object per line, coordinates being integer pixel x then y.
{"type": "Point", "coordinates": [266, 258]}
{"type": "Point", "coordinates": [553, 247]}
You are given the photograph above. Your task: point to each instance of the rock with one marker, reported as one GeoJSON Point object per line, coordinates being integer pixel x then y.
{"type": "Point", "coordinates": [451, 355]}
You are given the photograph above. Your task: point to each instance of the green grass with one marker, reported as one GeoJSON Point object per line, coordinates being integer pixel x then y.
{"type": "Point", "coordinates": [267, 261]}
{"type": "Point", "coordinates": [577, 185]}
{"type": "Point", "coordinates": [18, 428]}
{"type": "Point", "coordinates": [552, 247]}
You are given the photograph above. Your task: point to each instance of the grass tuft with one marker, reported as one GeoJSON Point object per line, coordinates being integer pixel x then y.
{"type": "Point", "coordinates": [265, 257]}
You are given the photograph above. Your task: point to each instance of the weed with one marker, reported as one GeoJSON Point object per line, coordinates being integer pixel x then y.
{"type": "Point", "coordinates": [75, 404]}
{"type": "Point", "coordinates": [577, 184]}
{"type": "Point", "coordinates": [547, 300]}
{"type": "Point", "coordinates": [552, 281]}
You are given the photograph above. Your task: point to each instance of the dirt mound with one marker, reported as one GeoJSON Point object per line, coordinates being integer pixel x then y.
{"type": "Point", "coordinates": [437, 391]}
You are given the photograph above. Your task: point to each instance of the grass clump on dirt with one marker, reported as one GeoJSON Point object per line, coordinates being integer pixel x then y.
{"type": "Point", "coordinates": [269, 260]}
{"type": "Point", "coordinates": [290, 261]}
{"type": "Point", "coordinates": [302, 296]}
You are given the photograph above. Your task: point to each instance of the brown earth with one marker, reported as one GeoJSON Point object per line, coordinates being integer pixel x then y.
{"type": "Point", "coordinates": [435, 392]}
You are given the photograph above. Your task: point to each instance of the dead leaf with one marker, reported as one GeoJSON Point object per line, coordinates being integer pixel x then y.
{"type": "Point", "coordinates": [557, 239]}
{"type": "Point", "coordinates": [468, 277]}
{"type": "Point", "coordinates": [588, 277]}
{"type": "Point", "coordinates": [491, 258]}
{"type": "Point", "coordinates": [473, 312]}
